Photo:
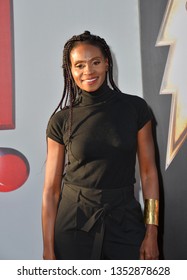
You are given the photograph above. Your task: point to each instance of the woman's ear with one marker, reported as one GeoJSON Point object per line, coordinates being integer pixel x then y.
{"type": "Point", "coordinates": [107, 64]}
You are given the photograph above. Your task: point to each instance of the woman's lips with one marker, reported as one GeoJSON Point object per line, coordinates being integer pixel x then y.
{"type": "Point", "coordinates": [90, 81]}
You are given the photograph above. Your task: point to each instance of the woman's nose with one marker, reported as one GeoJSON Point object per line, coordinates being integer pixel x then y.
{"type": "Point", "coordinates": [88, 69]}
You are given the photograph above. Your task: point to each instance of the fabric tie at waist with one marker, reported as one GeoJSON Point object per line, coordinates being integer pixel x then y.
{"type": "Point", "coordinates": [99, 214]}
{"type": "Point", "coordinates": [109, 202]}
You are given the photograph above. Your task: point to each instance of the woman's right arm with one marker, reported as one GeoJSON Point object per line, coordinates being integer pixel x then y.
{"type": "Point", "coordinates": [51, 194]}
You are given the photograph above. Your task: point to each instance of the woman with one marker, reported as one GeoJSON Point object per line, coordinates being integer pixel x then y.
{"type": "Point", "coordinates": [95, 214]}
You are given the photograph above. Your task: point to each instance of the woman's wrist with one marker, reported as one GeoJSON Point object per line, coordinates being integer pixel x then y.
{"type": "Point", "coordinates": [151, 230]}
{"type": "Point", "coordinates": [48, 254]}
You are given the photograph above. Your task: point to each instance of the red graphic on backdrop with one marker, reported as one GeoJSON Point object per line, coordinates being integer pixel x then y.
{"type": "Point", "coordinates": [7, 118]}
{"type": "Point", "coordinates": [14, 167]}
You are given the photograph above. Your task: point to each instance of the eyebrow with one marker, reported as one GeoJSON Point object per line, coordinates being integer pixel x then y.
{"type": "Point", "coordinates": [81, 61]}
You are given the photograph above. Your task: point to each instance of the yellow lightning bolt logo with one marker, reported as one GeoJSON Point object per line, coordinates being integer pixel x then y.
{"type": "Point", "coordinates": [173, 33]}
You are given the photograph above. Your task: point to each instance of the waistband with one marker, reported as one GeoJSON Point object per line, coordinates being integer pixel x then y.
{"type": "Point", "coordinates": [99, 196]}
{"type": "Point", "coordinates": [106, 201]}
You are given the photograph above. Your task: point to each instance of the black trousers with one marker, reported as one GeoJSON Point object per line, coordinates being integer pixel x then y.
{"type": "Point", "coordinates": [98, 224]}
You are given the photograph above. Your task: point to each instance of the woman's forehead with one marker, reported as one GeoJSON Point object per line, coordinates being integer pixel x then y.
{"type": "Point", "coordinates": [85, 52]}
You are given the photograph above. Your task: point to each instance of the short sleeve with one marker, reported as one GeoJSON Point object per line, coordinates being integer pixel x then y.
{"type": "Point", "coordinates": [144, 113]}
{"type": "Point", "coordinates": [55, 128]}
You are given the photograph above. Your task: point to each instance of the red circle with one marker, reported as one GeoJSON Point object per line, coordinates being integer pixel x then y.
{"type": "Point", "coordinates": [13, 172]}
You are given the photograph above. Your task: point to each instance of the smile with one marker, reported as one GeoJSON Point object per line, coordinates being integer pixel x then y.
{"type": "Point", "coordinates": [90, 80]}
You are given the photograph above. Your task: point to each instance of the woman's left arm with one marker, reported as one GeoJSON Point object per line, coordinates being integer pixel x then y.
{"type": "Point", "coordinates": [150, 187]}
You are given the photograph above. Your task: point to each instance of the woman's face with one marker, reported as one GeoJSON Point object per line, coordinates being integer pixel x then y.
{"type": "Point", "coordinates": [88, 66]}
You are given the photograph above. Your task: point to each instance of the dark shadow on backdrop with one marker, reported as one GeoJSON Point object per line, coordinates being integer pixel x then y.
{"type": "Point", "coordinates": [153, 66]}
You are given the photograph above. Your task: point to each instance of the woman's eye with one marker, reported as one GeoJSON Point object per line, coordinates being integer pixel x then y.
{"type": "Point", "coordinates": [79, 66]}
{"type": "Point", "coordinates": [96, 62]}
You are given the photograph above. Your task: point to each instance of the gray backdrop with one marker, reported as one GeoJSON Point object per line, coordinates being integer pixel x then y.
{"type": "Point", "coordinates": [41, 27]}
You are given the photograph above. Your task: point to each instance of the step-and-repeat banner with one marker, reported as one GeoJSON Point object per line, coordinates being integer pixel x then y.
{"type": "Point", "coordinates": [32, 35]}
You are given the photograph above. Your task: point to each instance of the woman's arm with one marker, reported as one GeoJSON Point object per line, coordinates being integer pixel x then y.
{"type": "Point", "coordinates": [51, 194]}
{"type": "Point", "coordinates": [150, 187]}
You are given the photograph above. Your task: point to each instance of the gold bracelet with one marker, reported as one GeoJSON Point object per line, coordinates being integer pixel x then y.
{"type": "Point", "coordinates": [151, 211]}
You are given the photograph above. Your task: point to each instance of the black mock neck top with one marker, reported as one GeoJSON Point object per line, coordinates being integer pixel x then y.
{"type": "Point", "coordinates": [103, 143]}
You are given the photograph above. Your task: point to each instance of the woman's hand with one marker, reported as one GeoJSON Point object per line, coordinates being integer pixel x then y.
{"type": "Point", "coordinates": [149, 248]}
{"type": "Point", "coordinates": [49, 256]}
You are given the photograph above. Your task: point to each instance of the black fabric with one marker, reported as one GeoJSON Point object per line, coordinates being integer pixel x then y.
{"type": "Point", "coordinates": [98, 224]}
{"type": "Point", "coordinates": [104, 138]}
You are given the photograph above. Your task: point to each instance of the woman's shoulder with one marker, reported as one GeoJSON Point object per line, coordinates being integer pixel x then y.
{"type": "Point", "coordinates": [59, 116]}
{"type": "Point", "coordinates": [132, 100]}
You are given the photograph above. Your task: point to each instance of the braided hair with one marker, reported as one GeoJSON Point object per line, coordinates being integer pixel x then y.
{"type": "Point", "coordinates": [71, 90]}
